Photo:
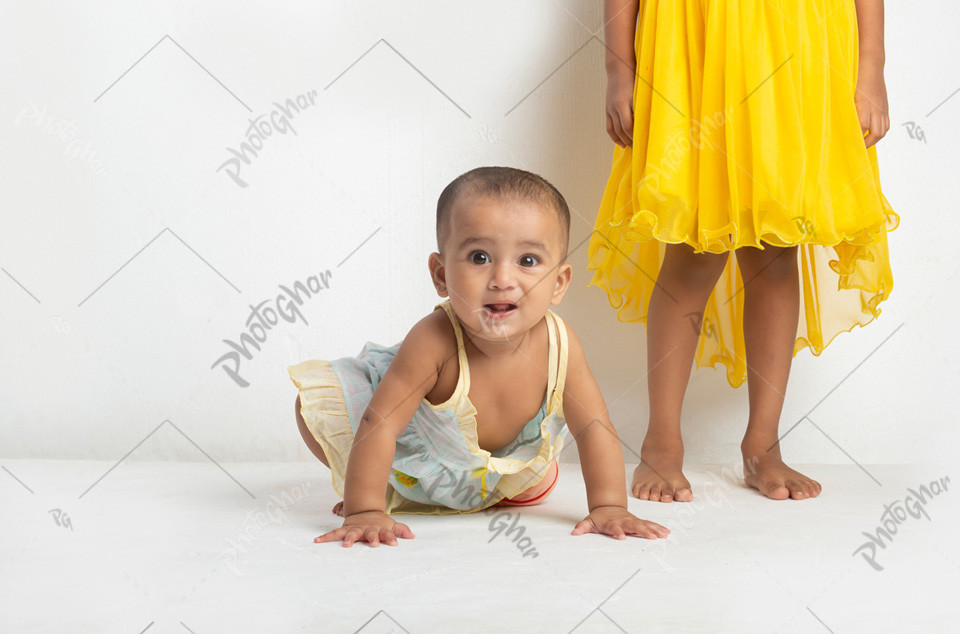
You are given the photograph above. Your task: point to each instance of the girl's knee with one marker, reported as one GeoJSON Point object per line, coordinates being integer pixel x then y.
{"type": "Point", "coordinates": [697, 269]}
{"type": "Point", "coordinates": [773, 263]}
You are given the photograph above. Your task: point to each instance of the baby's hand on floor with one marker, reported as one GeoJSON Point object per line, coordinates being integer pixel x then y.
{"type": "Point", "coordinates": [618, 522]}
{"type": "Point", "coordinates": [372, 527]}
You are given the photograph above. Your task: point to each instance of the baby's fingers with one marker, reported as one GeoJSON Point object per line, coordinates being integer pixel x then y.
{"type": "Point", "coordinates": [373, 535]}
{"type": "Point", "coordinates": [389, 536]}
{"type": "Point", "coordinates": [584, 526]}
{"type": "Point", "coordinates": [402, 530]}
{"type": "Point", "coordinates": [347, 534]}
{"type": "Point", "coordinates": [331, 536]}
{"type": "Point", "coordinates": [645, 528]}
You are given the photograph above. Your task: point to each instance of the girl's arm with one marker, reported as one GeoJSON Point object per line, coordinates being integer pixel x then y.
{"type": "Point", "coordinates": [871, 92]}
{"type": "Point", "coordinates": [620, 23]}
{"type": "Point", "coordinates": [870, 25]}
{"type": "Point", "coordinates": [600, 457]}
{"type": "Point", "coordinates": [411, 375]}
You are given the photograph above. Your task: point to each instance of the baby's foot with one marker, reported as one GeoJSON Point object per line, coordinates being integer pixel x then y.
{"type": "Point", "coordinates": [659, 477]}
{"type": "Point", "coordinates": [774, 479]}
{"type": "Point", "coordinates": [338, 508]}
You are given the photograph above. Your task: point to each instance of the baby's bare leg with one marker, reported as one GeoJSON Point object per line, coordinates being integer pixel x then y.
{"type": "Point", "coordinates": [308, 438]}
{"type": "Point", "coordinates": [674, 316]}
{"type": "Point", "coordinates": [538, 492]}
{"type": "Point", "coordinates": [314, 447]}
{"type": "Point", "coordinates": [771, 312]}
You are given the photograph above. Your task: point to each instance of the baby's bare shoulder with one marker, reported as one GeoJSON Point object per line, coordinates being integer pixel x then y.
{"type": "Point", "coordinates": [577, 368]}
{"type": "Point", "coordinates": [575, 349]}
{"type": "Point", "coordinates": [432, 338]}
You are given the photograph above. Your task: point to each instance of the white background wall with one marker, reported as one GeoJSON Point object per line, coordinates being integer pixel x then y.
{"type": "Point", "coordinates": [122, 278]}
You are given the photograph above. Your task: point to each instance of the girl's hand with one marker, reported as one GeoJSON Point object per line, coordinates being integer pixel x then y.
{"type": "Point", "coordinates": [372, 527]}
{"type": "Point", "coordinates": [871, 101]}
{"type": "Point", "coordinates": [620, 105]}
{"type": "Point", "coordinates": [618, 522]}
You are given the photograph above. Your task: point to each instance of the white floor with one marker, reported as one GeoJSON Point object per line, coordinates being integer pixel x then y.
{"type": "Point", "coordinates": [134, 547]}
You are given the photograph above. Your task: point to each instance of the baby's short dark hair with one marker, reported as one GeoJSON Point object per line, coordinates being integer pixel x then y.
{"type": "Point", "coordinates": [501, 182]}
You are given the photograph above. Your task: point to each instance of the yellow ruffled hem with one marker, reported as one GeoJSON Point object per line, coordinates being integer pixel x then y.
{"type": "Point", "coordinates": [324, 411]}
{"type": "Point", "coordinates": [644, 226]}
{"type": "Point", "coordinates": [747, 146]}
{"type": "Point", "coordinates": [859, 265]}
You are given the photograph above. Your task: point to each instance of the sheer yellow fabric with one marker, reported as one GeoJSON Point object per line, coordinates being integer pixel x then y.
{"type": "Point", "coordinates": [746, 132]}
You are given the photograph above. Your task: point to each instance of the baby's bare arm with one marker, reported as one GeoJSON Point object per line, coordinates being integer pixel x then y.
{"type": "Point", "coordinates": [597, 442]}
{"type": "Point", "coordinates": [411, 375]}
{"type": "Point", "coordinates": [600, 457]}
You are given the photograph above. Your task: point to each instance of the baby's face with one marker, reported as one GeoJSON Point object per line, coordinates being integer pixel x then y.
{"type": "Point", "coordinates": [502, 265]}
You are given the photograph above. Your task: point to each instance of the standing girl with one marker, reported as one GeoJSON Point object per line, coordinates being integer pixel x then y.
{"type": "Point", "coordinates": [745, 126]}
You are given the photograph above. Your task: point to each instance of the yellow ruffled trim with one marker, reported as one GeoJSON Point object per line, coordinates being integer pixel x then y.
{"type": "Point", "coordinates": [516, 475]}
{"type": "Point", "coordinates": [324, 411]}
{"type": "Point", "coordinates": [739, 147]}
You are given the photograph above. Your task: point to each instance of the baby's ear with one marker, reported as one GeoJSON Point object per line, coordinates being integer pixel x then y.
{"type": "Point", "coordinates": [564, 275]}
{"type": "Point", "coordinates": [438, 273]}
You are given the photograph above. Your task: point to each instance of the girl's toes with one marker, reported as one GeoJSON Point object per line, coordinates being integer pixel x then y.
{"type": "Point", "coordinates": [796, 490]}
{"type": "Point", "coordinates": [655, 492]}
{"type": "Point", "coordinates": [777, 492]}
{"type": "Point", "coordinates": [666, 494]}
{"type": "Point", "coordinates": [683, 495]}
{"type": "Point", "coordinates": [641, 492]}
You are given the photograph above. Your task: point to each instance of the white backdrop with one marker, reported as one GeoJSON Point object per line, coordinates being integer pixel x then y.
{"type": "Point", "coordinates": [129, 255]}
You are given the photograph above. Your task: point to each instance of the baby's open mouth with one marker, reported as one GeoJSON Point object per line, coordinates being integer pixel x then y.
{"type": "Point", "coordinates": [500, 308]}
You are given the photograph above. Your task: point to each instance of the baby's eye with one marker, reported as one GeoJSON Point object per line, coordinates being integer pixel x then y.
{"type": "Point", "coordinates": [479, 257]}
{"type": "Point", "coordinates": [529, 261]}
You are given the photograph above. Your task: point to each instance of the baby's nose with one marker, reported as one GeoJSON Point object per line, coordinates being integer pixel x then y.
{"type": "Point", "coordinates": [501, 276]}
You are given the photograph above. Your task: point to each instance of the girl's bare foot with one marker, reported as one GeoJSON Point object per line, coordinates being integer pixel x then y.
{"type": "Point", "coordinates": [765, 471]}
{"type": "Point", "coordinates": [338, 508]}
{"type": "Point", "coordinates": [659, 477]}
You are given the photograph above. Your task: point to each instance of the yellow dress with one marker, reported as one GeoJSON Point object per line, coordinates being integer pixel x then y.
{"type": "Point", "coordinates": [746, 132]}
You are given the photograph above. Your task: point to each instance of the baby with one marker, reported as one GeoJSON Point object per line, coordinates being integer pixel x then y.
{"type": "Point", "coordinates": [471, 409]}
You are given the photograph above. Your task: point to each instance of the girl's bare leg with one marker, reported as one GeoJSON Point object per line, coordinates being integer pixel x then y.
{"type": "Point", "coordinates": [771, 312]}
{"type": "Point", "coordinates": [674, 318]}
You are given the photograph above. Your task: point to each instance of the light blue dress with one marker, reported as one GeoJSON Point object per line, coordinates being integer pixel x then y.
{"type": "Point", "coordinates": [438, 466]}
